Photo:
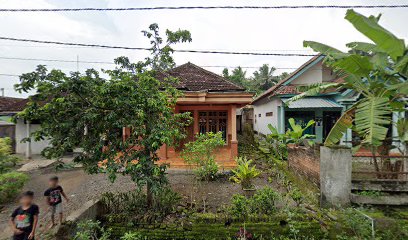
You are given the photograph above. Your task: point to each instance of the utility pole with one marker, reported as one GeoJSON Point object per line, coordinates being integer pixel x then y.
{"type": "Point", "coordinates": [2, 92]}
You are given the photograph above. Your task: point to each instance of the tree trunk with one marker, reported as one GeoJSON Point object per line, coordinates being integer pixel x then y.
{"type": "Point", "coordinates": [377, 168]}
{"type": "Point", "coordinates": [149, 195]}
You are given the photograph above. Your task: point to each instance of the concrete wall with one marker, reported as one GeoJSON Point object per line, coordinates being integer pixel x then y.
{"type": "Point", "coordinates": [335, 176]}
{"type": "Point", "coordinates": [261, 121]}
{"type": "Point", "coordinates": [21, 133]}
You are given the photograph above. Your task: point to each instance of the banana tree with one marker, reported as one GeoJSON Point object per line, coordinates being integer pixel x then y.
{"type": "Point", "coordinates": [296, 133]}
{"type": "Point", "coordinates": [377, 71]}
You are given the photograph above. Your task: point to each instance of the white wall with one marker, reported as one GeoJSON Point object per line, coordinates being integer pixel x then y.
{"type": "Point", "coordinates": [262, 107]}
{"type": "Point", "coordinates": [21, 133]}
{"type": "Point", "coordinates": [312, 75]}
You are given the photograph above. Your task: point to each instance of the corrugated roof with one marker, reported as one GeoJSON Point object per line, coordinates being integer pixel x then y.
{"type": "Point", "coordinates": [313, 103]}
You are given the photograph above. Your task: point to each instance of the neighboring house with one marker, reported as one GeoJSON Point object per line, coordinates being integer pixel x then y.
{"type": "Point", "coordinates": [272, 106]}
{"type": "Point", "coordinates": [213, 102]}
{"type": "Point", "coordinates": [23, 129]}
{"type": "Point", "coordinates": [325, 109]}
{"type": "Point", "coordinates": [7, 127]}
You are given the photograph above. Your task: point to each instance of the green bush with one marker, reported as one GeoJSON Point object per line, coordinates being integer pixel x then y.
{"type": "Point", "coordinates": [296, 195]}
{"type": "Point", "coordinates": [165, 202]}
{"type": "Point", "coordinates": [133, 236]}
{"type": "Point", "coordinates": [264, 201]}
{"type": "Point", "coordinates": [201, 153]}
{"type": "Point", "coordinates": [91, 230]}
{"type": "Point", "coordinates": [10, 185]}
{"type": "Point", "coordinates": [240, 206]}
{"type": "Point", "coordinates": [6, 160]}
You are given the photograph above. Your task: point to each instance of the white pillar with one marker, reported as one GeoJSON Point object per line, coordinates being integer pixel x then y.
{"type": "Point", "coordinates": [28, 143]}
{"type": "Point", "coordinates": [233, 117]}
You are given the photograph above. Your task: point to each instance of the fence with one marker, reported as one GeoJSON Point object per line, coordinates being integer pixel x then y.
{"type": "Point", "coordinates": [380, 173]}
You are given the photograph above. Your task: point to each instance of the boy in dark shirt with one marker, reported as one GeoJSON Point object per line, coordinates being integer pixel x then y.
{"type": "Point", "coordinates": [54, 196]}
{"type": "Point", "coordinates": [24, 219]}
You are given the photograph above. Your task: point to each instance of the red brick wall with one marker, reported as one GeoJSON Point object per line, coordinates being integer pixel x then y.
{"type": "Point", "coordinates": [305, 162]}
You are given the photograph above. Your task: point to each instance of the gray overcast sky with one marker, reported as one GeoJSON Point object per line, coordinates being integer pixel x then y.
{"type": "Point", "coordinates": [235, 30]}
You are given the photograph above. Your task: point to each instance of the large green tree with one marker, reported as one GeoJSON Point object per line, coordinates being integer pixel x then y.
{"type": "Point", "coordinates": [237, 76]}
{"type": "Point", "coordinates": [261, 80]}
{"type": "Point", "coordinates": [89, 111]}
{"type": "Point", "coordinates": [264, 78]}
{"type": "Point", "coordinates": [377, 71]}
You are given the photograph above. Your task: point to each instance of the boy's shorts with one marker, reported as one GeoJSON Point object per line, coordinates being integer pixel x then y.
{"type": "Point", "coordinates": [56, 209]}
{"type": "Point", "coordinates": [22, 236]}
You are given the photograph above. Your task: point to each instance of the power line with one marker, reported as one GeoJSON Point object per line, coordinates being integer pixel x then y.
{"type": "Point", "coordinates": [148, 49]}
{"type": "Point", "coordinates": [55, 60]}
{"type": "Point", "coordinates": [198, 7]}
{"type": "Point", "coordinates": [106, 62]}
{"type": "Point", "coordinates": [9, 75]}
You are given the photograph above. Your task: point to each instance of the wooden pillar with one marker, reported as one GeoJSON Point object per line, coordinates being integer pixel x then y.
{"type": "Point", "coordinates": [28, 143]}
{"type": "Point", "coordinates": [196, 122]}
{"type": "Point", "coordinates": [233, 123]}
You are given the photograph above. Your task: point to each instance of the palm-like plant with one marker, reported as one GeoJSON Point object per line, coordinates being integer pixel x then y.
{"type": "Point", "coordinates": [377, 71]}
{"type": "Point", "coordinates": [264, 77]}
{"type": "Point", "coordinates": [244, 173]}
{"type": "Point", "coordinates": [296, 133]}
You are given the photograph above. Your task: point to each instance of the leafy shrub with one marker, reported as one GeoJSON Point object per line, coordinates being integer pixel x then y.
{"type": "Point", "coordinates": [244, 173]}
{"type": "Point", "coordinates": [10, 185]}
{"type": "Point", "coordinates": [133, 236]}
{"type": "Point", "coordinates": [296, 195]}
{"type": "Point", "coordinates": [264, 201]}
{"type": "Point", "coordinates": [6, 160]}
{"type": "Point", "coordinates": [134, 202]}
{"type": "Point", "coordinates": [164, 202]}
{"type": "Point", "coordinates": [356, 225]}
{"type": "Point", "coordinates": [274, 145]}
{"type": "Point", "coordinates": [91, 230]}
{"type": "Point", "coordinates": [240, 206]}
{"type": "Point", "coordinates": [201, 153]}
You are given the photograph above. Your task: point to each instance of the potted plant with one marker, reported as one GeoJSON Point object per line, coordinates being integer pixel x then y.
{"type": "Point", "coordinates": [244, 173]}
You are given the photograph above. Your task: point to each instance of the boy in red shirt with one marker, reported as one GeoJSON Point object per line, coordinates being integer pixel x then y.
{"type": "Point", "coordinates": [24, 219]}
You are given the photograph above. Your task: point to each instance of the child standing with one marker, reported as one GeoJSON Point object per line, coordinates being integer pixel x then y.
{"type": "Point", "coordinates": [54, 196]}
{"type": "Point", "coordinates": [24, 219]}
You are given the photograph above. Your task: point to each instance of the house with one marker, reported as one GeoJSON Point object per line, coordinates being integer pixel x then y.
{"type": "Point", "coordinates": [213, 102]}
{"type": "Point", "coordinates": [211, 99]}
{"type": "Point", "coordinates": [7, 127]}
{"type": "Point", "coordinates": [271, 108]}
{"type": "Point", "coordinates": [22, 128]}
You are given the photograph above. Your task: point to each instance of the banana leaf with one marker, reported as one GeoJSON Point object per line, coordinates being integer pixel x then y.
{"type": "Point", "coordinates": [340, 127]}
{"type": "Point", "coordinates": [373, 115]}
{"type": "Point", "coordinates": [385, 40]}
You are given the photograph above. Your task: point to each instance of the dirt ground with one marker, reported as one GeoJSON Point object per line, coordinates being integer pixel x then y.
{"type": "Point", "coordinates": [81, 187]}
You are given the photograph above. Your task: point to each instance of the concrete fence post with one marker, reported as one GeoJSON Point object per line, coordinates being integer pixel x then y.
{"type": "Point", "coordinates": [335, 176]}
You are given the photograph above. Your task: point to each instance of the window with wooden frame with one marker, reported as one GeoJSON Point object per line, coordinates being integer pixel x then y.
{"type": "Point", "coordinates": [213, 121]}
